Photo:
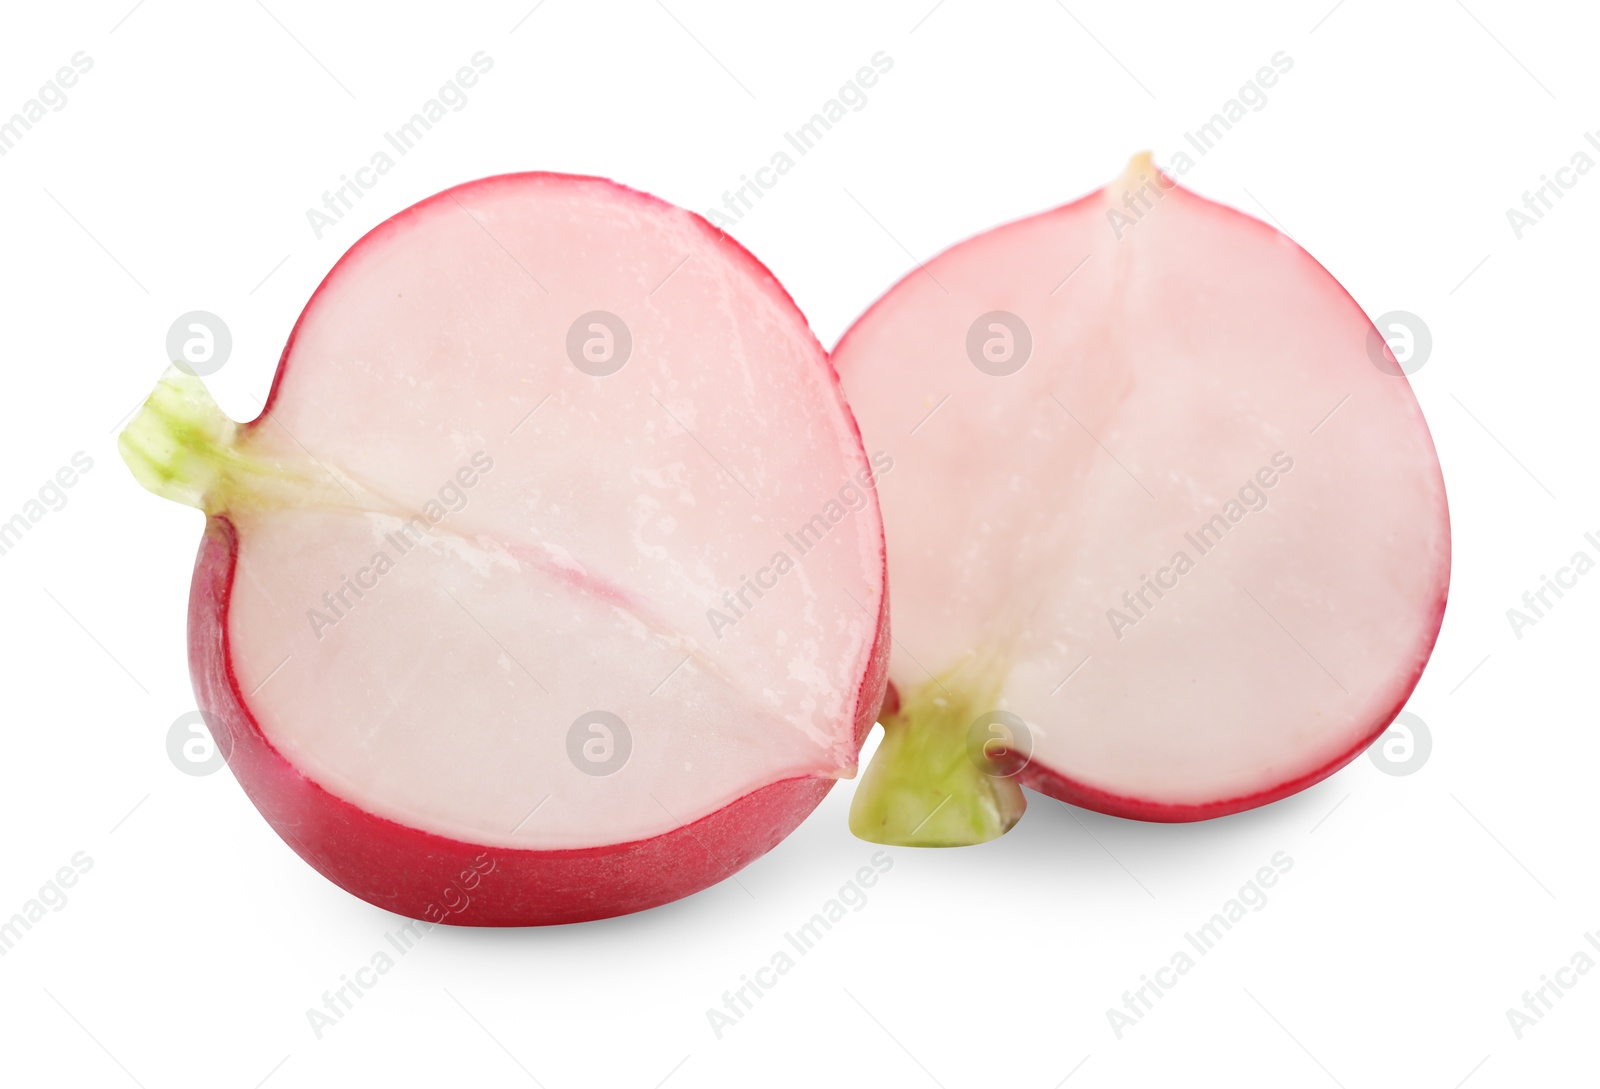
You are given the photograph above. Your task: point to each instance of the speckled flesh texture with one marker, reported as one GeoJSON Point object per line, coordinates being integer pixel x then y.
{"type": "Point", "coordinates": [1197, 386]}
{"type": "Point", "coordinates": [414, 742]}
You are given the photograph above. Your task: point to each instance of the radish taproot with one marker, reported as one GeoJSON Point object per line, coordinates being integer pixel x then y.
{"type": "Point", "coordinates": [1168, 536]}
{"type": "Point", "coordinates": [549, 583]}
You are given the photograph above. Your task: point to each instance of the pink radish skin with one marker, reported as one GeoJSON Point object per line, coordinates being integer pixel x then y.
{"type": "Point", "coordinates": [1187, 362]}
{"type": "Point", "coordinates": [411, 742]}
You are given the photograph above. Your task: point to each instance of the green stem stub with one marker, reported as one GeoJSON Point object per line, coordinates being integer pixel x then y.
{"type": "Point", "coordinates": [183, 447]}
{"type": "Point", "coordinates": [944, 774]}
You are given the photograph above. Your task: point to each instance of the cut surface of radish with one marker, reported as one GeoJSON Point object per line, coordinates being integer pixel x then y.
{"type": "Point", "coordinates": [555, 541]}
{"type": "Point", "coordinates": [1168, 536]}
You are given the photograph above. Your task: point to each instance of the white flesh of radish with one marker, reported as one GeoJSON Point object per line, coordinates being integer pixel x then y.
{"type": "Point", "coordinates": [577, 574]}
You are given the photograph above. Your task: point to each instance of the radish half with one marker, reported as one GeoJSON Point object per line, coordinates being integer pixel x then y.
{"type": "Point", "coordinates": [1167, 531]}
{"type": "Point", "coordinates": [549, 583]}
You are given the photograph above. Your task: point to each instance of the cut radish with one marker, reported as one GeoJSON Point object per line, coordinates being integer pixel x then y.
{"type": "Point", "coordinates": [1167, 532]}
{"type": "Point", "coordinates": [549, 584]}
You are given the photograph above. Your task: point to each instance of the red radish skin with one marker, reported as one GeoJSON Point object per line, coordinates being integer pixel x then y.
{"type": "Point", "coordinates": [1184, 345]}
{"type": "Point", "coordinates": [1058, 786]}
{"type": "Point", "coordinates": [410, 872]}
{"type": "Point", "coordinates": [426, 335]}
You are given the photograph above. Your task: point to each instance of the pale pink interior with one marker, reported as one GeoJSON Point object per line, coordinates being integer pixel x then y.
{"type": "Point", "coordinates": [590, 552]}
{"type": "Point", "coordinates": [1190, 351]}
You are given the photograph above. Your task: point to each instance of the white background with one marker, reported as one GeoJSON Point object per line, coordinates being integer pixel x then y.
{"type": "Point", "coordinates": [1418, 909]}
